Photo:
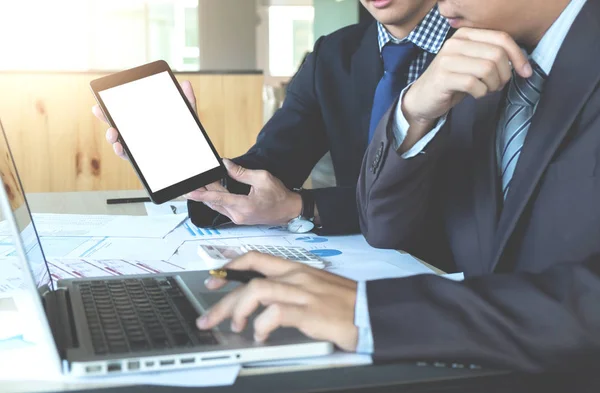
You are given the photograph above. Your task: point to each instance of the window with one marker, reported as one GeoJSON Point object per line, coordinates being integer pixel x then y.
{"type": "Point", "coordinates": [290, 37]}
{"type": "Point", "coordinates": [98, 34]}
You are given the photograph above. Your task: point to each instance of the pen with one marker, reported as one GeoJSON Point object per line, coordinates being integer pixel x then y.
{"type": "Point", "coordinates": [116, 201]}
{"type": "Point", "coordinates": [243, 276]}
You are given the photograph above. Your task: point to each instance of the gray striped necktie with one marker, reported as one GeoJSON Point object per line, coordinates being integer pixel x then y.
{"type": "Point", "coordinates": [522, 98]}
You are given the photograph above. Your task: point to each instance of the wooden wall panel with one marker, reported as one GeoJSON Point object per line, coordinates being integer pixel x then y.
{"type": "Point", "coordinates": [241, 111]}
{"type": "Point", "coordinates": [60, 146]}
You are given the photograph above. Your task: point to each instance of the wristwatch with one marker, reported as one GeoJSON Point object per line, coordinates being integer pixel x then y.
{"type": "Point", "coordinates": [304, 222]}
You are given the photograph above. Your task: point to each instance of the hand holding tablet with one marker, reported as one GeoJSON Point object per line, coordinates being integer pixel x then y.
{"type": "Point", "coordinates": [158, 130]}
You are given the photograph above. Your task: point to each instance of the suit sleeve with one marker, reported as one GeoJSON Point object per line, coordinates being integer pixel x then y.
{"type": "Point", "coordinates": [290, 145]}
{"type": "Point", "coordinates": [398, 201]}
{"type": "Point", "coordinates": [522, 321]}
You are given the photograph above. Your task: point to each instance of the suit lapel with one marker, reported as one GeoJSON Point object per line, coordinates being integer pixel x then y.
{"type": "Point", "coordinates": [366, 69]}
{"type": "Point", "coordinates": [573, 78]}
{"type": "Point", "coordinates": [486, 178]}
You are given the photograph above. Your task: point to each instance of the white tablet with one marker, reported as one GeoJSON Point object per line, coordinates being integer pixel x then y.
{"type": "Point", "coordinates": [159, 130]}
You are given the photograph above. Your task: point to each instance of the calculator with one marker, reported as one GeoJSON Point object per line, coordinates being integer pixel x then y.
{"type": "Point", "coordinates": [217, 255]}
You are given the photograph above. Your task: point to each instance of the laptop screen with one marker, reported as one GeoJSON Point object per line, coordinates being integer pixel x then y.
{"type": "Point", "coordinates": [29, 236]}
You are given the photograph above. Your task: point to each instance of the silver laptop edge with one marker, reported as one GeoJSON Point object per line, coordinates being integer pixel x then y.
{"type": "Point", "coordinates": [68, 324]}
{"type": "Point", "coordinates": [27, 275]}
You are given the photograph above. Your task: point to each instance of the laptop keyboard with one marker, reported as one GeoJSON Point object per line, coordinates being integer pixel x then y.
{"type": "Point", "coordinates": [139, 315]}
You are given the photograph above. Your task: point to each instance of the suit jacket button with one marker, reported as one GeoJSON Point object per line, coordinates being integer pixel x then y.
{"type": "Point", "coordinates": [377, 160]}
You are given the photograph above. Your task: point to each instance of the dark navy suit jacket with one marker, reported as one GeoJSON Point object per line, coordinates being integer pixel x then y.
{"type": "Point", "coordinates": [541, 307]}
{"type": "Point", "coordinates": [327, 108]}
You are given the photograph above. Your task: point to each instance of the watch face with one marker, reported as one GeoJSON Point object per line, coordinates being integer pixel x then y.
{"type": "Point", "coordinates": [300, 225]}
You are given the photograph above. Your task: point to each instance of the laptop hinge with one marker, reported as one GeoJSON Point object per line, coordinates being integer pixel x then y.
{"type": "Point", "coordinates": [60, 317]}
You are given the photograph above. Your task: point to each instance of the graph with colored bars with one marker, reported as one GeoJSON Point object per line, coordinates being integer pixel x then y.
{"type": "Point", "coordinates": [81, 268]}
{"type": "Point", "coordinates": [197, 232]}
{"type": "Point", "coordinates": [188, 231]}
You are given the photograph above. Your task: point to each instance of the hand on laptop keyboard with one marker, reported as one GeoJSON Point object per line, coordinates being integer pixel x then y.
{"type": "Point", "coordinates": [293, 294]}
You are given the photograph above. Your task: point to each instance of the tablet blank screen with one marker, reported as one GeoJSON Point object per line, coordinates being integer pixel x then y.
{"type": "Point", "coordinates": [159, 130]}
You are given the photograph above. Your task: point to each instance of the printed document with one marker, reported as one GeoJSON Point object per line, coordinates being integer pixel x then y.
{"type": "Point", "coordinates": [103, 225]}
{"type": "Point", "coordinates": [348, 256]}
{"type": "Point", "coordinates": [188, 231]}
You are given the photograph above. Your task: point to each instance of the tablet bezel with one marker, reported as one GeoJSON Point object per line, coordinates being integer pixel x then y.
{"type": "Point", "coordinates": [178, 189]}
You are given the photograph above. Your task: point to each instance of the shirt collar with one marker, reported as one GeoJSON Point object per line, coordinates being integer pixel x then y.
{"type": "Point", "coordinates": [429, 35]}
{"type": "Point", "coordinates": [547, 50]}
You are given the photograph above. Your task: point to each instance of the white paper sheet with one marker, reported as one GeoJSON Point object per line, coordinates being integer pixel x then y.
{"type": "Point", "coordinates": [103, 225]}
{"type": "Point", "coordinates": [124, 248]}
{"type": "Point", "coordinates": [188, 231]}
{"type": "Point", "coordinates": [11, 276]}
{"type": "Point", "coordinates": [28, 348]}
{"type": "Point", "coordinates": [187, 257]}
{"type": "Point", "coordinates": [60, 246]}
{"type": "Point", "coordinates": [7, 244]}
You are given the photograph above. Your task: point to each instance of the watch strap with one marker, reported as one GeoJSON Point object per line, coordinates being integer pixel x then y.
{"type": "Point", "coordinates": [308, 204]}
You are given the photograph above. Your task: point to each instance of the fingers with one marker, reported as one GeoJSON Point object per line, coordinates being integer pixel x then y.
{"type": "Point", "coordinates": [221, 210]}
{"type": "Point", "coordinates": [118, 149]}
{"type": "Point", "coordinates": [216, 186]}
{"type": "Point", "coordinates": [217, 198]}
{"type": "Point", "coordinates": [186, 86]}
{"type": "Point", "coordinates": [99, 114]}
{"type": "Point", "coordinates": [484, 70]}
{"type": "Point", "coordinates": [197, 194]}
{"type": "Point", "coordinates": [234, 206]}
{"type": "Point", "coordinates": [268, 265]}
{"type": "Point", "coordinates": [214, 283]}
{"type": "Point", "coordinates": [484, 51]}
{"type": "Point", "coordinates": [112, 135]}
{"type": "Point", "coordinates": [262, 292]}
{"type": "Point", "coordinates": [247, 176]}
{"type": "Point", "coordinates": [468, 84]}
{"type": "Point", "coordinates": [281, 270]}
{"type": "Point", "coordinates": [519, 60]}
{"type": "Point", "coordinates": [275, 316]}
{"type": "Point", "coordinates": [244, 301]}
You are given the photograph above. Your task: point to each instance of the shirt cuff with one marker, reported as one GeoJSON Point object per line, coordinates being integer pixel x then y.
{"type": "Point", "coordinates": [400, 128]}
{"type": "Point", "coordinates": [362, 320]}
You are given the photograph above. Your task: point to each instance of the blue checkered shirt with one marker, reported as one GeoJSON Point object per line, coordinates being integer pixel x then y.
{"type": "Point", "coordinates": [429, 35]}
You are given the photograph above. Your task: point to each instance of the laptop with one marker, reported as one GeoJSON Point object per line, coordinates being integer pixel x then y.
{"type": "Point", "coordinates": [130, 324]}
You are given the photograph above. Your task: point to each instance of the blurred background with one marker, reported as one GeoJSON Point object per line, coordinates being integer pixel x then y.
{"type": "Point", "coordinates": [238, 54]}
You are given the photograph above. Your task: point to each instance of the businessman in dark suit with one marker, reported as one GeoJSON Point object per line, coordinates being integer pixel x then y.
{"type": "Point", "coordinates": [329, 107]}
{"type": "Point", "coordinates": [505, 187]}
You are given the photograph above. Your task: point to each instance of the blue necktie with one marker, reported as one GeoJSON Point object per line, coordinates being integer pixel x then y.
{"type": "Point", "coordinates": [396, 62]}
{"type": "Point", "coordinates": [523, 95]}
